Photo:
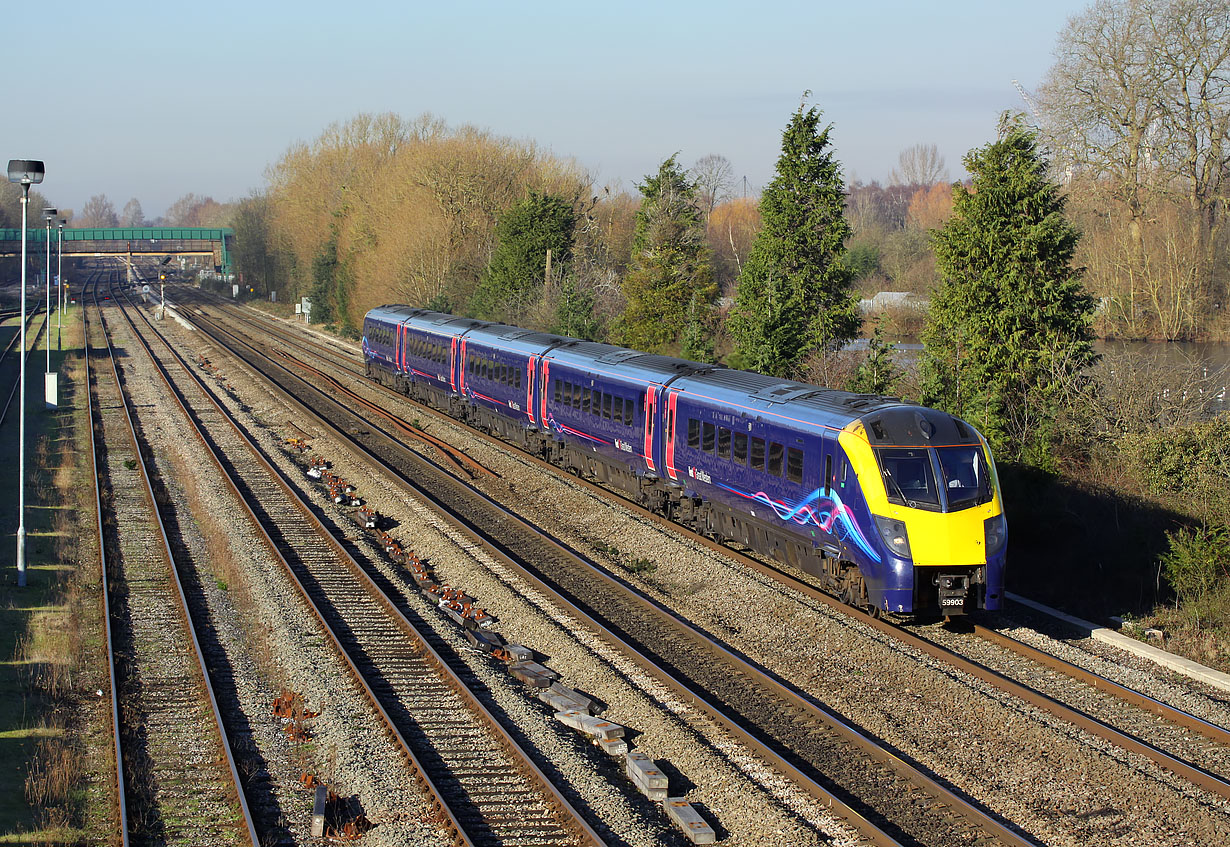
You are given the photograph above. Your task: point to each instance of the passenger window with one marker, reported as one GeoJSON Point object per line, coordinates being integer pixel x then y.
{"type": "Point", "coordinates": [708, 436]}
{"type": "Point", "coordinates": [606, 405]}
{"type": "Point", "coordinates": [559, 391]}
{"type": "Point", "coordinates": [586, 394]}
{"type": "Point", "coordinates": [741, 448]}
{"type": "Point", "coordinates": [723, 443]}
{"type": "Point", "coordinates": [576, 396]}
{"type": "Point", "coordinates": [617, 409]}
{"type": "Point", "coordinates": [517, 378]}
{"type": "Point", "coordinates": [628, 412]}
{"type": "Point", "coordinates": [694, 433]}
{"type": "Point", "coordinates": [758, 454]}
{"type": "Point", "coordinates": [566, 387]}
{"type": "Point", "coordinates": [794, 465]}
{"type": "Point", "coordinates": [776, 452]}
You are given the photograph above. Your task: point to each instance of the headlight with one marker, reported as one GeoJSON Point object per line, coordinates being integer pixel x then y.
{"type": "Point", "coordinates": [996, 529]}
{"type": "Point", "coordinates": [895, 537]}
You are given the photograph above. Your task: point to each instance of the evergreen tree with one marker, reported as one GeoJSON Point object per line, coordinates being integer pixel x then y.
{"type": "Point", "coordinates": [670, 264]}
{"type": "Point", "coordinates": [876, 374]}
{"type": "Point", "coordinates": [1010, 323]}
{"type": "Point", "coordinates": [794, 295]}
{"type": "Point", "coordinates": [697, 341]}
{"type": "Point", "coordinates": [574, 312]}
{"type": "Point", "coordinates": [524, 234]}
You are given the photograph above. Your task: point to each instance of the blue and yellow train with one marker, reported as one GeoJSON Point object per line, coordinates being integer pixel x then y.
{"type": "Point", "coordinates": [896, 508]}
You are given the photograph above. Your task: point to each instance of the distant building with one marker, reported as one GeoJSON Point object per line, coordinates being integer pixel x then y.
{"type": "Point", "coordinates": [894, 300]}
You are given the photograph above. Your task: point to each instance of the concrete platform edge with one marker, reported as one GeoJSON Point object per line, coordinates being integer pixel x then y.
{"type": "Point", "coordinates": [1106, 635]}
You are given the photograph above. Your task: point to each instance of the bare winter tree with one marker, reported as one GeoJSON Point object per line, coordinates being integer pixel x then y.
{"type": "Point", "coordinates": [132, 214]}
{"type": "Point", "coordinates": [714, 178]}
{"type": "Point", "coordinates": [921, 164]}
{"type": "Point", "coordinates": [1137, 108]}
{"type": "Point", "coordinates": [97, 212]}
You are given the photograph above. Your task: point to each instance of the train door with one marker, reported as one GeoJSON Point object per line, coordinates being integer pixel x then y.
{"type": "Point", "coordinates": [672, 402]}
{"type": "Point", "coordinates": [453, 362]}
{"type": "Point", "coordinates": [650, 448]}
{"type": "Point", "coordinates": [543, 379]}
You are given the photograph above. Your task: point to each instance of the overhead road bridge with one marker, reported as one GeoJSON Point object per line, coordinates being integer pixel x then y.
{"type": "Point", "coordinates": [129, 242]}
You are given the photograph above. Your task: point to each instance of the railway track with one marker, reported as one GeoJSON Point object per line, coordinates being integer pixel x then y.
{"type": "Point", "coordinates": [887, 799]}
{"type": "Point", "coordinates": [1206, 777]}
{"type": "Point", "coordinates": [488, 788]}
{"type": "Point", "coordinates": [176, 777]}
{"type": "Point", "coordinates": [6, 363]}
{"type": "Point", "coordinates": [1212, 782]}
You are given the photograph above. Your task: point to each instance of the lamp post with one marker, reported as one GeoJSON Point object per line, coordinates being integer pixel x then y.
{"type": "Point", "coordinates": [60, 285]}
{"type": "Point", "coordinates": [24, 172]}
{"type": "Point", "coordinates": [49, 215]}
{"type": "Point", "coordinates": [51, 381]}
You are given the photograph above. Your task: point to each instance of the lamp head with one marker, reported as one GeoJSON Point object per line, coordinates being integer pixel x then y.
{"type": "Point", "coordinates": [49, 214]}
{"type": "Point", "coordinates": [25, 171]}
{"type": "Point", "coordinates": [61, 222]}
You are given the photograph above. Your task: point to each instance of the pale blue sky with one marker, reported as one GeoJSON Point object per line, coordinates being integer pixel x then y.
{"type": "Point", "coordinates": [155, 100]}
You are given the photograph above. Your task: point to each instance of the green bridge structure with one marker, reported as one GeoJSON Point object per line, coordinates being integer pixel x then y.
{"type": "Point", "coordinates": [128, 242]}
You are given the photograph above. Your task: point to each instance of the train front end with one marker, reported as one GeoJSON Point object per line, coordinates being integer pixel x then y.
{"type": "Point", "coordinates": [933, 495]}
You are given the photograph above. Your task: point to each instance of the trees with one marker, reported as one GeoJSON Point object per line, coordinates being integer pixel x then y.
{"type": "Point", "coordinates": [411, 205]}
{"type": "Point", "coordinates": [191, 210]}
{"type": "Point", "coordinates": [714, 177]}
{"type": "Point", "coordinates": [516, 274]}
{"type": "Point", "coordinates": [1137, 111]}
{"type": "Point", "coordinates": [132, 215]}
{"type": "Point", "coordinates": [670, 266]}
{"type": "Point", "coordinates": [921, 164]}
{"type": "Point", "coordinates": [1009, 325]}
{"type": "Point", "coordinates": [794, 291]}
{"type": "Point", "coordinates": [97, 212]}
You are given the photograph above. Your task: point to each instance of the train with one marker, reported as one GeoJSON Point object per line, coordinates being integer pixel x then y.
{"type": "Point", "coordinates": [895, 508]}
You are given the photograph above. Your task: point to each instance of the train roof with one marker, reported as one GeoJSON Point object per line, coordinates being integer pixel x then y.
{"type": "Point", "coordinates": [770, 395]}
{"type": "Point", "coordinates": [524, 341]}
{"type": "Point", "coordinates": [392, 313]}
{"type": "Point", "coordinates": [615, 361]}
{"type": "Point", "coordinates": [442, 323]}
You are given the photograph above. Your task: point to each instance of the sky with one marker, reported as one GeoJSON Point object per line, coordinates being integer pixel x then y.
{"type": "Point", "coordinates": [158, 100]}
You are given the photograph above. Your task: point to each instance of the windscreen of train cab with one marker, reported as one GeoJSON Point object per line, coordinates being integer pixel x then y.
{"type": "Point", "coordinates": [910, 476]}
{"type": "Point", "coordinates": [966, 480]}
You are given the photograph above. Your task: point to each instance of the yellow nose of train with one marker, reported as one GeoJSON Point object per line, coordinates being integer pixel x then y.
{"type": "Point", "coordinates": [930, 488]}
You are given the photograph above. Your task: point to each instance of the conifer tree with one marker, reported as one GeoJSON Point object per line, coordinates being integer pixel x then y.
{"type": "Point", "coordinates": [574, 312]}
{"type": "Point", "coordinates": [794, 295]}
{"type": "Point", "coordinates": [517, 270]}
{"type": "Point", "coordinates": [1010, 323]}
{"type": "Point", "coordinates": [878, 373]}
{"type": "Point", "coordinates": [670, 264]}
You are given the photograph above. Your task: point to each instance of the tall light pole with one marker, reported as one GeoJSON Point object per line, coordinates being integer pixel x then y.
{"type": "Point", "coordinates": [25, 172]}
{"type": "Point", "coordinates": [49, 215]}
{"type": "Point", "coordinates": [60, 285]}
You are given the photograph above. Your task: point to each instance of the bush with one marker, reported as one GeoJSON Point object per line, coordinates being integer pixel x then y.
{"type": "Point", "coordinates": [1190, 463]}
{"type": "Point", "coordinates": [1197, 563]}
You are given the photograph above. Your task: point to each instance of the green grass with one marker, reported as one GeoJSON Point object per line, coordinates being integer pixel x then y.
{"type": "Point", "coordinates": [36, 627]}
